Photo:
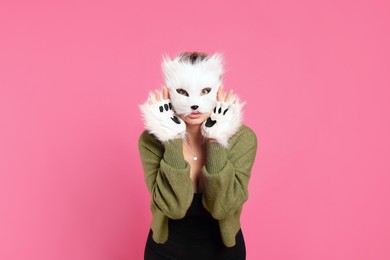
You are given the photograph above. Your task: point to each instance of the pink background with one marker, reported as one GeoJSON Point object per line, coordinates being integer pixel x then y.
{"type": "Point", "coordinates": [315, 75]}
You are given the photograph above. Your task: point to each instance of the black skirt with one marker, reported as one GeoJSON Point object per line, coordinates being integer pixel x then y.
{"type": "Point", "coordinates": [196, 236]}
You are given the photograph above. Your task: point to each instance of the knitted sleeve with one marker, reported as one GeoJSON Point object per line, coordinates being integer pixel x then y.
{"type": "Point", "coordinates": [167, 174]}
{"type": "Point", "coordinates": [227, 172]}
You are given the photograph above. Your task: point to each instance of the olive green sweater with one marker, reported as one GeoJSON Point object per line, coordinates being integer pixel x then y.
{"type": "Point", "coordinates": [226, 175]}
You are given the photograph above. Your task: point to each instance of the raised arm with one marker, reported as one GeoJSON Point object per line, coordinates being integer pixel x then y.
{"type": "Point", "coordinates": [167, 174]}
{"type": "Point", "coordinates": [227, 173]}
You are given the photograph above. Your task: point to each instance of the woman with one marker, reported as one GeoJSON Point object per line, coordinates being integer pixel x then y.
{"type": "Point", "coordinates": [197, 158]}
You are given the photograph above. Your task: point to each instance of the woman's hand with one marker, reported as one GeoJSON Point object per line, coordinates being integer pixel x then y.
{"type": "Point", "coordinates": [156, 95]}
{"type": "Point", "coordinates": [225, 119]}
{"type": "Point", "coordinates": [159, 118]}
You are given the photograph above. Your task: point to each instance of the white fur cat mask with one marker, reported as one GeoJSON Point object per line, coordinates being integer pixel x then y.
{"type": "Point", "coordinates": [197, 83]}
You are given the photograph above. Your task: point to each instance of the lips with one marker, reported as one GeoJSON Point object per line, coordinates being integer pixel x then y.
{"type": "Point", "coordinates": [194, 115]}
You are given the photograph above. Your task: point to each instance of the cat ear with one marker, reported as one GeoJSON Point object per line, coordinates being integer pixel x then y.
{"type": "Point", "coordinates": [216, 63]}
{"type": "Point", "coordinates": [167, 67]}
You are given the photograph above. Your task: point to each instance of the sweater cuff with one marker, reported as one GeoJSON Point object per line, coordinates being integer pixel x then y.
{"type": "Point", "coordinates": [216, 157]}
{"type": "Point", "coordinates": [173, 154]}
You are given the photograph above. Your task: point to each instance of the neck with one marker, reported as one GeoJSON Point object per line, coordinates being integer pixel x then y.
{"type": "Point", "coordinates": [194, 135]}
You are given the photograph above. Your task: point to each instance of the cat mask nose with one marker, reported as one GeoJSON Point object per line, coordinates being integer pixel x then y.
{"type": "Point", "coordinates": [194, 107]}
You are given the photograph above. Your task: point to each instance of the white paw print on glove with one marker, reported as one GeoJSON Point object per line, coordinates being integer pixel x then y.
{"type": "Point", "coordinates": [225, 119]}
{"type": "Point", "coordinates": [160, 119]}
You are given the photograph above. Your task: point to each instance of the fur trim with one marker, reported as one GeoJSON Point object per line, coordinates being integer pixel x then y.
{"type": "Point", "coordinates": [160, 120]}
{"type": "Point", "coordinates": [225, 121]}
